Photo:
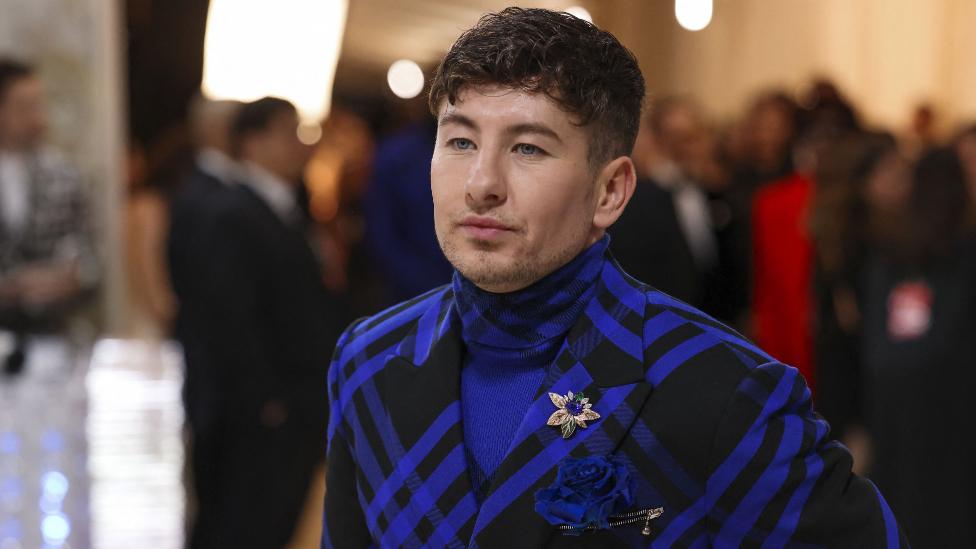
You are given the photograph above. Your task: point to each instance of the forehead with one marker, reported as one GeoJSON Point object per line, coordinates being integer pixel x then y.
{"type": "Point", "coordinates": [501, 105]}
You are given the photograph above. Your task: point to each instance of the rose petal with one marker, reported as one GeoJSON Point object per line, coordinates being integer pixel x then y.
{"type": "Point", "coordinates": [558, 400]}
{"type": "Point", "coordinates": [558, 417]}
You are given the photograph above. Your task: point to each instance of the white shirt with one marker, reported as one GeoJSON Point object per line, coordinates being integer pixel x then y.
{"type": "Point", "coordinates": [219, 165]}
{"type": "Point", "coordinates": [691, 207]}
{"type": "Point", "coordinates": [14, 191]}
{"type": "Point", "coordinates": [275, 191]}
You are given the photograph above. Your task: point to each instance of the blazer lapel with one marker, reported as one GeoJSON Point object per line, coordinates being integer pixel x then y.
{"type": "Point", "coordinates": [602, 356]}
{"type": "Point", "coordinates": [422, 400]}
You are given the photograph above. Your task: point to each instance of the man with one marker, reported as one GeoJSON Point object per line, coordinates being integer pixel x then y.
{"type": "Point", "coordinates": [458, 418]}
{"type": "Point", "coordinates": [665, 236]}
{"type": "Point", "coordinates": [47, 263]}
{"type": "Point", "coordinates": [268, 330]}
{"type": "Point", "coordinates": [192, 215]}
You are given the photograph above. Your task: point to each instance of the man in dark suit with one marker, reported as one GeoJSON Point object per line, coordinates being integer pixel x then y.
{"type": "Point", "coordinates": [665, 237]}
{"type": "Point", "coordinates": [192, 214]}
{"type": "Point", "coordinates": [545, 398]}
{"type": "Point", "coordinates": [269, 332]}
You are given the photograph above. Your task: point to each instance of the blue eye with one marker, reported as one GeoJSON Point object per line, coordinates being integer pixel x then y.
{"type": "Point", "coordinates": [461, 144]}
{"type": "Point", "coordinates": [527, 149]}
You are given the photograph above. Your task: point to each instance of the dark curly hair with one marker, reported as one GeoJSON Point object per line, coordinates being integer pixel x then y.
{"type": "Point", "coordinates": [585, 70]}
{"type": "Point", "coordinates": [10, 71]}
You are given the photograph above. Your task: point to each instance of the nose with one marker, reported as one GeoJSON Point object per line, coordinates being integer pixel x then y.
{"type": "Point", "coordinates": [486, 187]}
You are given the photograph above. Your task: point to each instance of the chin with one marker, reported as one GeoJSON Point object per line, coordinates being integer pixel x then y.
{"type": "Point", "coordinates": [482, 264]}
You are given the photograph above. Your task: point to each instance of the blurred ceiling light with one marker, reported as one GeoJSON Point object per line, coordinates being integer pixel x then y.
{"type": "Point", "coordinates": [309, 134]}
{"type": "Point", "coordinates": [405, 78]}
{"type": "Point", "coordinates": [693, 15]}
{"type": "Point", "coordinates": [581, 13]}
{"type": "Point", "coordinates": [283, 48]}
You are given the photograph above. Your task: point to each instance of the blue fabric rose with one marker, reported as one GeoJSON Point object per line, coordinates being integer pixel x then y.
{"type": "Point", "coordinates": [586, 492]}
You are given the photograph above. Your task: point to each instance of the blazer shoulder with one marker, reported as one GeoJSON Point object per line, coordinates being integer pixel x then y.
{"type": "Point", "coordinates": [665, 313]}
{"type": "Point", "coordinates": [388, 327]}
{"type": "Point", "coordinates": [692, 357]}
{"type": "Point", "coordinates": [697, 365]}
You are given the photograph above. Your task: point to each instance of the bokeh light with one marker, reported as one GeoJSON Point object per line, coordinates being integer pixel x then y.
{"type": "Point", "coordinates": [405, 78]}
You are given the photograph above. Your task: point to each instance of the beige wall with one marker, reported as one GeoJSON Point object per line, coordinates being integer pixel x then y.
{"type": "Point", "coordinates": [886, 54]}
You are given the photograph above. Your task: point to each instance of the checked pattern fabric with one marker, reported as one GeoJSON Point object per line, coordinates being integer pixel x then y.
{"type": "Point", "coordinates": [714, 430]}
{"type": "Point", "coordinates": [59, 226]}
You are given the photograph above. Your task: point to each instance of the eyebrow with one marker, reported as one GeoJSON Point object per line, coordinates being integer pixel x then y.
{"type": "Point", "coordinates": [459, 119]}
{"type": "Point", "coordinates": [517, 129]}
{"type": "Point", "coordinates": [532, 128]}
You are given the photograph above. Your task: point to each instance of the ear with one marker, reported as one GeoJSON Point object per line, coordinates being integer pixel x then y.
{"type": "Point", "coordinates": [615, 185]}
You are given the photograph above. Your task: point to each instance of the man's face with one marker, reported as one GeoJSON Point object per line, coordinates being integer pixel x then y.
{"type": "Point", "coordinates": [514, 194]}
{"type": "Point", "coordinates": [681, 128]}
{"type": "Point", "coordinates": [23, 120]}
{"type": "Point", "coordinates": [278, 148]}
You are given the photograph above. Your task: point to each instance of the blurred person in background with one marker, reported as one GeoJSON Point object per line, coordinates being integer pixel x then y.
{"type": "Point", "coordinates": [151, 297]}
{"type": "Point", "coordinates": [269, 331]}
{"type": "Point", "coordinates": [922, 135]}
{"type": "Point", "coordinates": [338, 178]}
{"type": "Point", "coordinates": [192, 212]}
{"type": "Point", "coordinates": [782, 246]}
{"type": "Point", "coordinates": [665, 236]}
{"type": "Point", "coordinates": [191, 215]}
{"type": "Point", "coordinates": [918, 311]}
{"type": "Point", "coordinates": [965, 144]}
{"type": "Point", "coordinates": [399, 213]}
{"type": "Point", "coordinates": [760, 146]}
{"type": "Point", "coordinates": [47, 261]}
{"type": "Point", "coordinates": [842, 234]}
{"type": "Point", "coordinates": [759, 150]}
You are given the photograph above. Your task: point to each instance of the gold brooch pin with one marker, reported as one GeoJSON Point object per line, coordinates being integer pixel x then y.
{"type": "Point", "coordinates": [572, 411]}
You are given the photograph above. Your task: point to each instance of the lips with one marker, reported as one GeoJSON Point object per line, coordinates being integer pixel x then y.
{"type": "Point", "coordinates": [484, 228]}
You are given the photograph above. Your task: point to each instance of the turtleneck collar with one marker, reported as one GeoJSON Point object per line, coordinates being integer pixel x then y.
{"type": "Point", "coordinates": [529, 317]}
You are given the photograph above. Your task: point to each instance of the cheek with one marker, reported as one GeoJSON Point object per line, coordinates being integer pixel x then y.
{"type": "Point", "coordinates": [446, 181]}
{"type": "Point", "coordinates": [442, 190]}
{"type": "Point", "coordinates": [555, 210]}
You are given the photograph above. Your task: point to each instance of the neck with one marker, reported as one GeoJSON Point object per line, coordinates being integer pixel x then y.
{"type": "Point", "coordinates": [545, 310]}
{"type": "Point", "coordinates": [264, 169]}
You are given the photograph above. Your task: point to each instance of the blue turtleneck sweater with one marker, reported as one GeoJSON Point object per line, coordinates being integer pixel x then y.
{"type": "Point", "coordinates": [510, 341]}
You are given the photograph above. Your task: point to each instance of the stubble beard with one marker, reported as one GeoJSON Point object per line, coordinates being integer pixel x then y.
{"type": "Point", "coordinates": [483, 265]}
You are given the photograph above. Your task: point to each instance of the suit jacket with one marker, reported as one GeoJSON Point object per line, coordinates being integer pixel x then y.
{"type": "Point", "coordinates": [268, 326]}
{"type": "Point", "coordinates": [716, 432]}
{"type": "Point", "coordinates": [272, 323]}
{"type": "Point", "coordinates": [192, 214]}
{"type": "Point", "coordinates": [649, 243]}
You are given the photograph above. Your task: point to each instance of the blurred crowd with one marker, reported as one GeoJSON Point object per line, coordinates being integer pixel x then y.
{"type": "Point", "coordinates": [844, 250]}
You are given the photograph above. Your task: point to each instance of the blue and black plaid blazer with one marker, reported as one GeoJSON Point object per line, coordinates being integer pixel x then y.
{"type": "Point", "coordinates": [714, 430]}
